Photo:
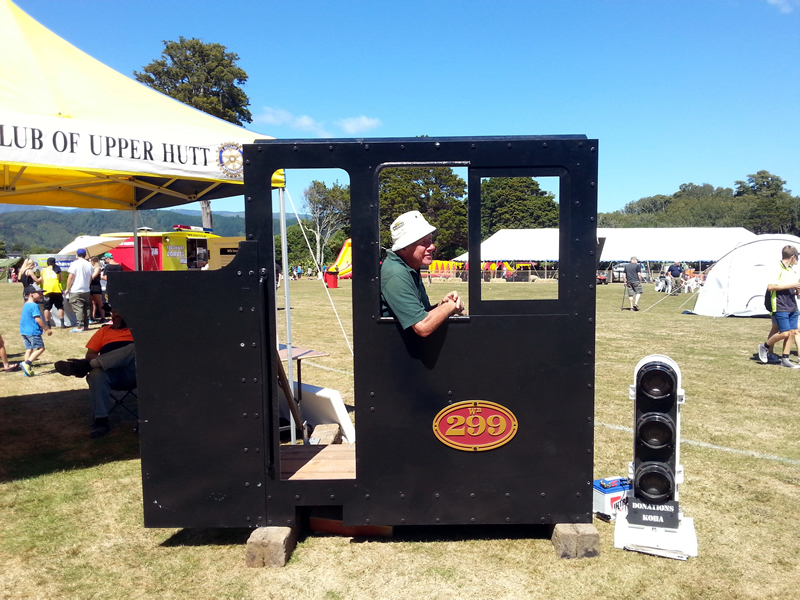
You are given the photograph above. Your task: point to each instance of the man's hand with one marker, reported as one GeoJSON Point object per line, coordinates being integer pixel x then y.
{"type": "Point", "coordinates": [49, 331]}
{"type": "Point", "coordinates": [453, 297]}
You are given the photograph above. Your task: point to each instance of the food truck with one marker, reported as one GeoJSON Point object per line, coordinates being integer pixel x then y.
{"type": "Point", "coordinates": [184, 248]}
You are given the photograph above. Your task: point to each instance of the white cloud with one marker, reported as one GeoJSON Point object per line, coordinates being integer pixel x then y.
{"type": "Point", "coordinates": [785, 6]}
{"type": "Point", "coordinates": [354, 125]}
{"type": "Point", "coordinates": [281, 117]}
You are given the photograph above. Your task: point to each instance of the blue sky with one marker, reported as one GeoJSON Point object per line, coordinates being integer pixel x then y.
{"type": "Point", "coordinates": [677, 91]}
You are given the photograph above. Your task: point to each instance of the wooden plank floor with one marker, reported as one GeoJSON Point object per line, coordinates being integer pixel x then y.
{"type": "Point", "coordinates": [335, 461]}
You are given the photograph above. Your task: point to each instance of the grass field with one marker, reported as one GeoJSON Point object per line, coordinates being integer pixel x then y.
{"type": "Point", "coordinates": [71, 514]}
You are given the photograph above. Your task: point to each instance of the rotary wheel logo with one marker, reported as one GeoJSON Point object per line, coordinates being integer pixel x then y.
{"type": "Point", "coordinates": [229, 159]}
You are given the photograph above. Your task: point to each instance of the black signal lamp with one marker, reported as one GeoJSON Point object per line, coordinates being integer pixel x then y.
{"type": "Point", "coordinates": [656, 470]}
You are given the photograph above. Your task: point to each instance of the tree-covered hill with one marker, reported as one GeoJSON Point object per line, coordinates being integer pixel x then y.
{"type": "Point", "coordinates": [45, 231]}
{"type": "Point", "coordinates": [760, 204]}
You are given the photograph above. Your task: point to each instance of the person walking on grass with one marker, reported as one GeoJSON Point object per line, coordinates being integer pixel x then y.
{"type": "Point", "coordinates": [31, 327]}
{"type": "Point", "coordinates": [53, 292]}
{"type": "Point", "coordinates": [78, 282]}
{"type": "Point", "coordinates": [632, 275]}
{"type": "Point", "coordinates": [784, 286]}
{"type": "Point", "coordinates": [7, 366]}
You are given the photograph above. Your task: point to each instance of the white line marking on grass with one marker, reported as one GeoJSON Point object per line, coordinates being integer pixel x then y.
{"type": "Point", "coordinates": [313, 364]}
{"type": "Point", "coordinates": [788, 461]}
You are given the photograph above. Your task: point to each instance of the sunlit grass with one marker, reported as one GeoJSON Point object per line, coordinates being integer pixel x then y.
{"type": "Point", "coordinates": [71, 513]}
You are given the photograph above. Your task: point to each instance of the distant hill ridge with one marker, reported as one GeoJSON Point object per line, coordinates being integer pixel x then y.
{"type": "Point", "coordinates": [50, 229]}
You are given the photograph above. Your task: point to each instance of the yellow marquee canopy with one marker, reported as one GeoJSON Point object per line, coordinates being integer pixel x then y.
{"type": "Point", "coordinates": [75, 133]}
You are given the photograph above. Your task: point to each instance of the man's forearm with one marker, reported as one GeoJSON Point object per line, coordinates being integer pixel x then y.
{"type": "Point", "coordinates": [435, 317]}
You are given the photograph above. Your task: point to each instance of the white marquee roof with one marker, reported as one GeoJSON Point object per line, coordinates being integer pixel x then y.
{"type": "Point", "coordinates": [647, 244]}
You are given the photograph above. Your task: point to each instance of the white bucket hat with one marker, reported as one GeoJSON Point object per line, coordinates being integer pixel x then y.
{"type": "Point", "coordinates": [408, 228]}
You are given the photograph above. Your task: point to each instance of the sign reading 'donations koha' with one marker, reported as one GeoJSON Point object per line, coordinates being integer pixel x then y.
{"type": "Point", "coordinates": [655, 515]}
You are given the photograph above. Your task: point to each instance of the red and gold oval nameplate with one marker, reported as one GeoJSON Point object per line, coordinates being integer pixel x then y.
{"type": "Point", "coordinates": [475, 425]}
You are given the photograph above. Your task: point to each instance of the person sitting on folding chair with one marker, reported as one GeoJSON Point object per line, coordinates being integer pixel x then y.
{"type": "Point", "coordinates": [110, 364]}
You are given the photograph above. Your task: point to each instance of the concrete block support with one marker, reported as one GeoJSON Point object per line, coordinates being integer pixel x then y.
{"type": "Point", "coordinates": [576, 540]}
{"type": "Point", "coordinates": [329, 433]}
{"type": "Point", "coordinates": [270, 546]}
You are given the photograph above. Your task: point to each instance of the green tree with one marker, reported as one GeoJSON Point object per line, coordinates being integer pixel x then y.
{"type": "Point", "coordinates": [329, 211]}
{"type": "Point", "coordinates": [202, 75]}
{"type": "Point", "coordinates": [2, 249]}
{"type": "Point", "coordinates": [773, 210]}
{"type": "Point", "coordinates": [437, 192]}
{"type": "Point", "coordinates": [515, 203]}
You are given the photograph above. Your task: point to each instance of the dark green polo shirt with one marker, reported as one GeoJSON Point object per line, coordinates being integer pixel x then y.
{"type": "Point", "coordinates": [403, 294]}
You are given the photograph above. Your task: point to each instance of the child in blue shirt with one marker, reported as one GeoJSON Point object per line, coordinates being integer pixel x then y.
{"type": "Point", "coordinates": [31, 327]}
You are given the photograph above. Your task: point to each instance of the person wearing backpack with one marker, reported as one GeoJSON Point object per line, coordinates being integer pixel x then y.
{"type": "Point", "coordinates": [782, 290]}
{"type": "Point", "coordinates": [53, 292]}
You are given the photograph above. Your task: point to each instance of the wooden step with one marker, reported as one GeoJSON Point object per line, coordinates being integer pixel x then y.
{"type": "Point", "coordinates": [335, 461]}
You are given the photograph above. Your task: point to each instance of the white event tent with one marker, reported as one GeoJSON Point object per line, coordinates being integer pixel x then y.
{"type": "Point", "coordinates": [736, 284]}
{"type": "Point", "coordinates": [688, 244]}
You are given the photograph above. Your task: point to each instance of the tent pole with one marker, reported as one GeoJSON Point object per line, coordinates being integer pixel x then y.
{"type": "Point", "coordinates": [287, 311]}
{"type": "Point", "coordinates": [136, 266]}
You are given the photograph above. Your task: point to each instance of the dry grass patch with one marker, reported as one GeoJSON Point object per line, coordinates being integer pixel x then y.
{"type": "Point", "coordinates": [70, 507]}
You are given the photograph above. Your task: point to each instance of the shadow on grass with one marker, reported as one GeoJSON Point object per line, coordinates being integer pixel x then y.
{"type": "Point", "coordinates": [462, 533]}
{"type": "Point", "coordinates": [45, 433]}
{"type": "Point", "coordinates": [235, 536]}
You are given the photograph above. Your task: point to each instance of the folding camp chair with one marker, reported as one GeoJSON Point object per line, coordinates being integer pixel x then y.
{"type": "Point", "coordinates": [119, 397]}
